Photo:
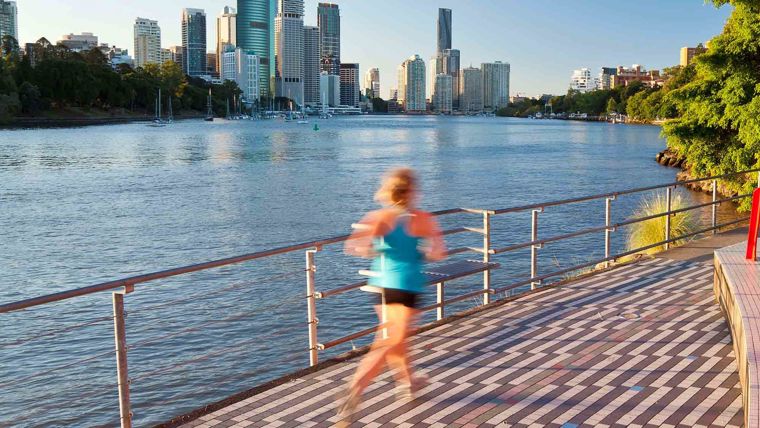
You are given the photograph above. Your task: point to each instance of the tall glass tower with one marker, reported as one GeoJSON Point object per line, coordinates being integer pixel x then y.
{"type": "Point", "coordinates": [194, 42]}
{"type": "Point", "coordinates": [328, 21]}
{"type": "Point", "coordinates": [255, 32]}
{"type": "Point", "coordinates": [444, 29]}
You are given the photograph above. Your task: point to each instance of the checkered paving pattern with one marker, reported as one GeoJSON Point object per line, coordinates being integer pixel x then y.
{"type": "Point", "coordinates": [639, 346]}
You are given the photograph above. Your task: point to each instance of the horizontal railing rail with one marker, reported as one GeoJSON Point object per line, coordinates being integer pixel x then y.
{"type": "Point", "coordinates": [122, 287]}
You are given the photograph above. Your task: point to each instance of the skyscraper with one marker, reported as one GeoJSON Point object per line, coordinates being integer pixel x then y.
{"type": "Point", "coordinates": [226, 34]}
{"type": "Point", "coordinates": [176, 52]}
{"type": "Point", "coordinates": [147, 42]}
{"type": "Point", "coordinates": [8, 19]}
{"type": "Point", "coordinates": [495, 85]}
{"type": "Point", "coordinates": [329, 88]}
{"type": "Point", "coordinates": [255, 33]}
{"type": "Point", "coordinates": [289, 50]}
{"type": "Point", "coordinates": [349, 84]}
{"type": "Point", "coordinates": [442, 93]}
{"type": "Point", "coordinates": [242, 67]}
{"type": "Point", "coordinates": [328, 21]}
{"type": "Point", "coordinates": [450, 61]}
{"type": "Point", "coordinates": [194, 42]}
{"type": "Point", "coordinates": [414, 84]}
{"type": "Point", "coordinates": [372, 83]}
{"type": "Point", "coordinates": [444, 29]}
{"type": "Point", "coordinates": [471, 100]}
{"type": "Point", "coordinates": [401, 76]}
{"type": "Point", "coordinates": [311, 65]}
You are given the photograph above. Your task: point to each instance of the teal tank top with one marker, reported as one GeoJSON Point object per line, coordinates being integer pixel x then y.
{"type": "Point", "coordinates": [401, 263]}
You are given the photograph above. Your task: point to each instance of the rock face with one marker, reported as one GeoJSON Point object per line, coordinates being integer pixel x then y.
{"type": "Point", "coordinates": [669, 158]}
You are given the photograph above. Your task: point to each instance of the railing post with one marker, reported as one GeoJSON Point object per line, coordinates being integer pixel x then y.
{"type": "Point", "coordinates": [311, 307]}
{"type": "Point", "coordinates": [668, 201]}
{"type": "Point", "coordinates": [714, 206]}
{"type": "Point", "coordinates": [534, 248]}
{"type": "Point", "coordinates": [120, 337]}
{"type": "Point", "coordinates": [608, 230]}
{"type": "Point", "coordinates": [439, 300]}
{"type": "Point", "coordinates": [486, 257]}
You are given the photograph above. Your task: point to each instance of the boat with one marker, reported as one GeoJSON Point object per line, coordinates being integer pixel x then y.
{"type": "Point", "coordinates": [157, 122]}
{"type": "Point", "coordinates": [209, 109]}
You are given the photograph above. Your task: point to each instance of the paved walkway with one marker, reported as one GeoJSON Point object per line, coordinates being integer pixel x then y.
{"type": "Point", "coordinates": [640, 346]}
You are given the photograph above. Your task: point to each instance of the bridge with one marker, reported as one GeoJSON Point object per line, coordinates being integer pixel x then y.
{"type": "Point", "coordinates": [612, 340]}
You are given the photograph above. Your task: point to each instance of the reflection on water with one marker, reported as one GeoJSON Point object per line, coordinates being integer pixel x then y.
{"type": "Point", "coordinates": [80, 206]}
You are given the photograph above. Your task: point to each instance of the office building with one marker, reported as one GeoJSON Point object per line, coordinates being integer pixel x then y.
{"type": "Point", "coordinates": [432, 71]}
{"type": "Point", "coordinates": [329, 88]}
{"type": "Point", "coordinates": [471, 100]}
{"type": "Point", "coordinates": [226, 34]}
{"type": "Point", "coordinates": [242, 67]}
{"type": "Point", "coordinates": [79, 42]}
{"type": "Point", "coordinates": [311, 55]}
{"type": "Point", "coordinates": [688, 54]}
{"type": "Point", "coordinates": [176, 52]}
{"type": "Point", "coordinates": [495, 85]}
{"type": "Point", "coordinates": [289, 50]}
{"type": "Point", "coordinates": [328, 21]}
{"type": "Point", "coordinates": [414, 84]}
{"type": "Point", "coordinates": [166, 55]}
{"type": "Point", "coordinates": [582, 81]}
{"type": "Point", "coordinates": [8, 19]}
{"type": "Point", "coordinates": [372, 83]}
{"type": "Point", "coordinates": [444, 30]}
{"type": "Point", "coordinates": [255, 33]}
{"type": "Point", "coordinates": [449, 63]}
{"type": "Point", "coordinates": [211, 65]}
{"type": "Point", "coordinates": [442, 94]}
{"type": "Point", "coordinates": [401, 79]}
{"type": "Point", "coordinates": [349, 84]}
{"type": "Point", "coordinates": [147, 35]}
{"type": "Point", "coordinates": [194, 42]}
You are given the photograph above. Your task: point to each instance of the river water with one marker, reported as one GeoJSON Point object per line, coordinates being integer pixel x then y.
{"type": "Point", "coordinates": [82, 206]}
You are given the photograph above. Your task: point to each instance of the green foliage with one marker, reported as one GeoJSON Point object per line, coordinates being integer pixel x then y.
{"type": "Point", "coordinates": [522, 108]}
{"type": "Point", "coordinates": [718, 128]}
{"type": "Point", "coordinates": [652, 231]}
{"type": "Point", "coordinates": [379, 105]}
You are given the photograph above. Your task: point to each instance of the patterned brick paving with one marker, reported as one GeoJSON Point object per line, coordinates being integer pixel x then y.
{"type": "Point", "coordinates": [640, 346]}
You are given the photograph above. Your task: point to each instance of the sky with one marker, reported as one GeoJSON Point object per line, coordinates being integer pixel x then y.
{"type": "Point", "coordinates": [543, 40]}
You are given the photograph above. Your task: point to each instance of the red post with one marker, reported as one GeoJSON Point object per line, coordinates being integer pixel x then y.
{"type": "Point", "coordinates": [754, 227]}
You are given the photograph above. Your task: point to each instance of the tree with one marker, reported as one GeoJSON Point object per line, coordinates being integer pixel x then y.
{"type": "Point", "coordinates": [718, 131]}
{"type": "Point", "coordinates": [612, 106]}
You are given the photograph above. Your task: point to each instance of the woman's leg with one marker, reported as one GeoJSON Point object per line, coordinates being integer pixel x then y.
{"type": "Point", "coordinates": [397, 355]}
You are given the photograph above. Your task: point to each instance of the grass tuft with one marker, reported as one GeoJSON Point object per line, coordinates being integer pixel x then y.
{"type": "Point", "coordinates": [650, 232]}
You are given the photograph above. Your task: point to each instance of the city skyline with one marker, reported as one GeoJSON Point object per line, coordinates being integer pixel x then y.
{"type": "Point", "coordinates": [543, 42]}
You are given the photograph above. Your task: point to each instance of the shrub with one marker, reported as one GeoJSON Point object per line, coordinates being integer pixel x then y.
{"type": "Point", "coordinates": [652, 231]}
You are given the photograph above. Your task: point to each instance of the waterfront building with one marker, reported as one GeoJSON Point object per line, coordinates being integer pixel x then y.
{"type": "Point", "coordinates": [147, 35]}
{"type": "Point", "coordinates": [255, 33]}
{"type": "Point", "coordinates": [211, 64]}
{"type": "Point", "coordinates": [688, 54]}
{"type": "Point", "coordinates": [166, 55]}
{"type": "Point", "coordinates": [442, 95]}
{"type": "Point", "coordinates": [176, 52]}
{"type": "Point", "coordinates": [79, 42]}
{"type": "Point", "coordinates": [495, 85]}
{"type": "Point", "coordinates": [194, 42]}
{"type": "Point", "coordinates": [449, 63]}
{"type": "Point", "coordinates": [414, 84]}
{"type": "Point", "coordinates": [624, 76]}
{"type": "Point", "coordinates": [401, 79]}
{"type": "Point", "coordinates": [582, 81]}
{"type": "Point", "coordinates": [311, 55]}
{"type": "Point", "coordinates": [289, 50]}
{"type": "Point", "coordinates": [372, 83]}
{"type": "Point", "coordinates": [349, 84]}
{"type": "Point", "coordinates": [226, 34]}
{"type": "Point", "coordinates": [8, 19]}
{"type": "Point", "coordinates": [242, 67]}
{"type": "Point", "coordinates": [444, 30]}
{"type": "Point", "coordinates": [605, 77]}
{"type": "Point", "coordinates": [432, 71]}
{"type": "Point", "coordinates": [471, 100]}
{"type": "Point", "coordinates": [328, 21]}
{"type": "Point", "coordinates": [329, 88]}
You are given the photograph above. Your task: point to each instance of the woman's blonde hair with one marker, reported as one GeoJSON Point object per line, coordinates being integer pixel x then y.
{"type": "Point", "coordinates": [397, 187]}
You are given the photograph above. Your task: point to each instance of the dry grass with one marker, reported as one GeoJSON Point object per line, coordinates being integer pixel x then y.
{"type": "Point", "coordinates": [650, 232]}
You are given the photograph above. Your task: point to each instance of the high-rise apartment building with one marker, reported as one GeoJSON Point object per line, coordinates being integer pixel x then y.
{"type": "Point", "coordinates": [147, 35]}
{"type": "Point", "coordinates": [372, 83]}
{"type": "Point", "coordinates": [288, 48]}
{"type": "Point", "coordinates": [255, 33]}
{"type": "Point", "coordinates": [8, 19]}
{"type": "Point", "coordinates": [471, 100]}
{"type": "Point", "coordinates": [432, 71]}
{"type": "Point", "coordinates": [311, 54]}
{"type": "Point", "coordinates": [166, 55]}
{"type": "Point", "coordinates": [449, 64]}
{"type": "Point", "coordinates": [444, 30]}
{"type": "Point", "coordinates": [328, 21]}
{"type": "Point", "coordinates": [176, 52]}
{"type": "Point", "coordinates": [226, 34]}
{"type": "Point", "coordinates": [242, 67]}
{"type": "Point", "coordinates": [194, 42]}
{"type": "Point", "coordinates": [688, 54]}
{"type": "Point", "coordinates": [401, 79]}
{"type": "Point", "coordinates": [581, 81]}
{"type": "Point", "coordinates": [414, 84]}
{"type": "Point", "coordinates": [79, 42]}
{"type": "Point", "coordinates": [442, 94]}
{"type": "Point", "coordinates": [329, 88]}
{"type": "Point", "coordinates": [349, 84]}
{"type": "Point", "coordinates": [605, 78]}
{"type": "Point", "coordinates": [495, 85]}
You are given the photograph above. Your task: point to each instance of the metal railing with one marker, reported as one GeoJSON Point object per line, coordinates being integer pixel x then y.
{"type": "Point", "coordinates": [123, 287]}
